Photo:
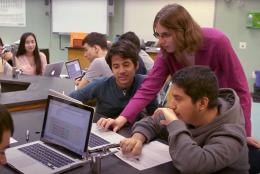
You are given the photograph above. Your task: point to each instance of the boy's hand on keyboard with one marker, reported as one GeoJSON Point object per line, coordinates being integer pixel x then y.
{"type": "Point", "coordinates": [115, 124]}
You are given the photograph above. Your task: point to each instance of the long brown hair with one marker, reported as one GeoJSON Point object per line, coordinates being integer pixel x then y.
{"type": "Point", "coordinates": [36, 54]}
{"type": "Point", "coordinates": [188, 33]}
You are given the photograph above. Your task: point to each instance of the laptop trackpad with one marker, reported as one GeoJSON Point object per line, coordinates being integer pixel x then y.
{"type": "Point", "coordinates": [28, 165]}
{"type": "Point", "coordinates": [23, 161]}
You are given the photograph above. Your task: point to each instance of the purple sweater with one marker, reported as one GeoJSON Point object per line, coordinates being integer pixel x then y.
{"type": "Point", "coordinates": [218, 54]}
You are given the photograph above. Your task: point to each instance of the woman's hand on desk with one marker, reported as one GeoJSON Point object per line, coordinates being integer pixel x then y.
{"type": "Point", "coordinates": [133, 146]}
{"type": "Point", "coordinates": [115, 124]}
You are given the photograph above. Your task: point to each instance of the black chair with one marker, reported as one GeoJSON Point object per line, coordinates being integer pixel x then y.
{"type": "Point", "coordinates": [47, 54]}
{"type": "Point", "coordinates": [254, 159]}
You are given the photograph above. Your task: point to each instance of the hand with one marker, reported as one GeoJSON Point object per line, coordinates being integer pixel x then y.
{"type": "Point", "coordinates": [116, 124]}
{"type": "Point", "coordinates": [252, 141]}
{"type": "Point", "coordinates": [7, 55]}
{"type": "Point", "coordinates": [167, 113]}
{"type": "Point", "coordinates": [77, 81]}
{"type": "Point", "coordinates": [133, 146]}
{"type": "Point", "coordinates": [2, 158]}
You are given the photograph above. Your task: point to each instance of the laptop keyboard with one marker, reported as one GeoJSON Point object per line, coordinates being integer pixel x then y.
{"type": "Point", "coordinates": [95, 141]}
{"type": "Point", "coordinates": [46, 156]}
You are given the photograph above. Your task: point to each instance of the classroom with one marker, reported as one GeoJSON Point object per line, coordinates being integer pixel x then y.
{"type": "Point", "coordinates": [66, 33]}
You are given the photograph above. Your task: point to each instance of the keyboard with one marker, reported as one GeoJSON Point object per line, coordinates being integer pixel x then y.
{"type": "Point", "coordinates": [46, 156]}
{"type": "Point", "coordinates": [95, 141]}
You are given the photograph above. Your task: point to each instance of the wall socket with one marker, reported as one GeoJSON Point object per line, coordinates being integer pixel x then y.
{"type": "Point", "coordinates": [242, 45]}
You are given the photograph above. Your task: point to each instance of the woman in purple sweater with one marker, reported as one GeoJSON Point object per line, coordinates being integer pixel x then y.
{"type": "Point", "coordinates": [184, 43]}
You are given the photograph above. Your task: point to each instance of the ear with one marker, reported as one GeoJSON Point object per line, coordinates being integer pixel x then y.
{"type": "Point", "coordinates": [137, 66]}
{"type": "Point", "coordinates": [97, 48]}
{"type": "Point", "coordinates": [203, 103]}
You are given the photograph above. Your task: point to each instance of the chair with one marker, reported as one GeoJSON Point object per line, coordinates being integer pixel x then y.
{"type": "Point", "coordinates": [47, 54]}
{"type": "Point", "coordinates": [254, 159]}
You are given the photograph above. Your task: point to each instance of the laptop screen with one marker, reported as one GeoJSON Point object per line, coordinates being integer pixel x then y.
{"type": "Point", "coordinates": [67, 124]}
{"type": "Point", "coordinates": [73, 68]}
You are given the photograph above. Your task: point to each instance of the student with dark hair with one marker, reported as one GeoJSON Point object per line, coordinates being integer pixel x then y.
{"type": "Point", "coordinates": [113, 93]}
{"type": "Point", "coordinates": [95, 50]}
{"type": "Point", "coordinates": [6, 131]}
{"type": "Point", "coordinates": [146, 59]}
{"type": "Point", "coordinates": [184, 43]}
{"type": "Point", "coordinates": [205, 126]}
{"type": "Point", "coordinates": [5, 56]}
{"type": "Point", "coordinates": [28, 57]}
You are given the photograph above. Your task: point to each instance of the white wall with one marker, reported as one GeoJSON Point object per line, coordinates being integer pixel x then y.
{"type": "Point", "coordinates": [139, 14]}
{"type": "Point", "coordinates": [79, 16]}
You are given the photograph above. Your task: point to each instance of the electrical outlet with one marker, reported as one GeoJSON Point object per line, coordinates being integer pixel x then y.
{"type": "Point", "coordinates": [242, 45]}
{"type": "Point", "coordinates": [253, 75]}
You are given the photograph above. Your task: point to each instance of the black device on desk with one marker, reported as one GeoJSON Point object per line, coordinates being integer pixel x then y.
{"type": "Point", "coordinates": [150, 44]}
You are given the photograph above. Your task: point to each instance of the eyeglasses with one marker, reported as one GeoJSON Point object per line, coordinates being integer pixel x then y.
{"type": "Point", "coordinates": [163, 35]}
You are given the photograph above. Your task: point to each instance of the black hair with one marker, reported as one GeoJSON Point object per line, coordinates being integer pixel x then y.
{"type": "Point", "coordinates": [1, 42]}
{"type": "Point", "coordinates": [124, 49]}
{"type": "Point", "coordinates": [198, 82]}
{"type": "Point", "coordinates": [132, 37]}
{"type": "Point", "coordinates": [6, 121]}
{"type": "Point", "coordinates": [36, 54]}
{"type": "Point", "coordinates": [95, 38]}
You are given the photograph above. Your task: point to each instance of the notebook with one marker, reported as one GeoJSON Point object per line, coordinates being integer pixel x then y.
{"type": "Point", "coordinates": [73, 69]}
{"type": "Point", "coordinates": [53, 69]}
{"type": "Point", "coordinates": [65, 138]}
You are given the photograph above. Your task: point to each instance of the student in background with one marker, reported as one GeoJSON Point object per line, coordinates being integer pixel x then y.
{"type": "Point", "coordinates": [5, 55]}
{"type": "Point", "coordinates": [205, 126]}
{"type": "Point", "coordinates": [6, 131]}
{"type": "Point", "coordinates": [147, 60]}
{"type": "Point", "coordinates": [113, 93]}
{"type": "Point", "coordinates": [28, 57]}
{"type": "Point", "coordinates": [184, 43]}
{"type": "Point", "coordinates": [95, 50]}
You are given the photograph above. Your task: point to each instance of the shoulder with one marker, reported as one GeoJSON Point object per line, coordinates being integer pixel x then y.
{"type": "Point", "coordinates": [43, 57]}
{"type": "Point", "coordinates": [213, 35]}
{"type": "Point", "coordinates": [215, 40]}
{"type": "Point", "coordinates": [96, 62]}
{"type": "Point", "coordinates": [139, 78]}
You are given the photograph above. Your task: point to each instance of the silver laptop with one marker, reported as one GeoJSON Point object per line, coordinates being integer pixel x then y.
{"type": "Point", "coordinates": [74, 69]}
{"type": "Point", "coordinates": [98, 137]}
{"type": "Point", "coordinates": [53, 69]}
{"type": "Point", "coordinates": [64, 138]}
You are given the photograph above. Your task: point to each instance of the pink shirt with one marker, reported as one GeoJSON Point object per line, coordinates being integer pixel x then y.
{"type": "Point", "coordinates": [23, 64]}
{"type": "Point", "coordinates": [218, 54]}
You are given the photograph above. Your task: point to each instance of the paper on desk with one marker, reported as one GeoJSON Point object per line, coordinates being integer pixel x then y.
{"type": "Point", "coordinates": [12, 140]}
{"type": "Point", "coordinates": [153, 154]}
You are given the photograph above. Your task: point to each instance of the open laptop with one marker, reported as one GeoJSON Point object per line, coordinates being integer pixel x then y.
{"type": "Point", "coordinates": [98, 137]}
{"type": "Point", "coordinates": [65, 138]}
{"type": "Point", "coordinates": [53, 69]}
{"type": "Point", "coordinates": [74, 69]}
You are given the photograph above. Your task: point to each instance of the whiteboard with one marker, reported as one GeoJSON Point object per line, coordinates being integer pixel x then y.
{"type": "Point", "coordinates": [139, 14]}
{"type": "Point", "coordinates": [79, 16]}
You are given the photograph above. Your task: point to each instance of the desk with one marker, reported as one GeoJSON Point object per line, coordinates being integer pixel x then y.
{"type": "Point", "coordinates": [32, 120]}
{"type": "Point", "coordinates": [35, 92]}
{"type": "Point", "coordinates": [78, 53]}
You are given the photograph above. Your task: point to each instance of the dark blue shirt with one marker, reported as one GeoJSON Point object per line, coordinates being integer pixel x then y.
{"type": "Point", "coordinates": [110, 99]}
